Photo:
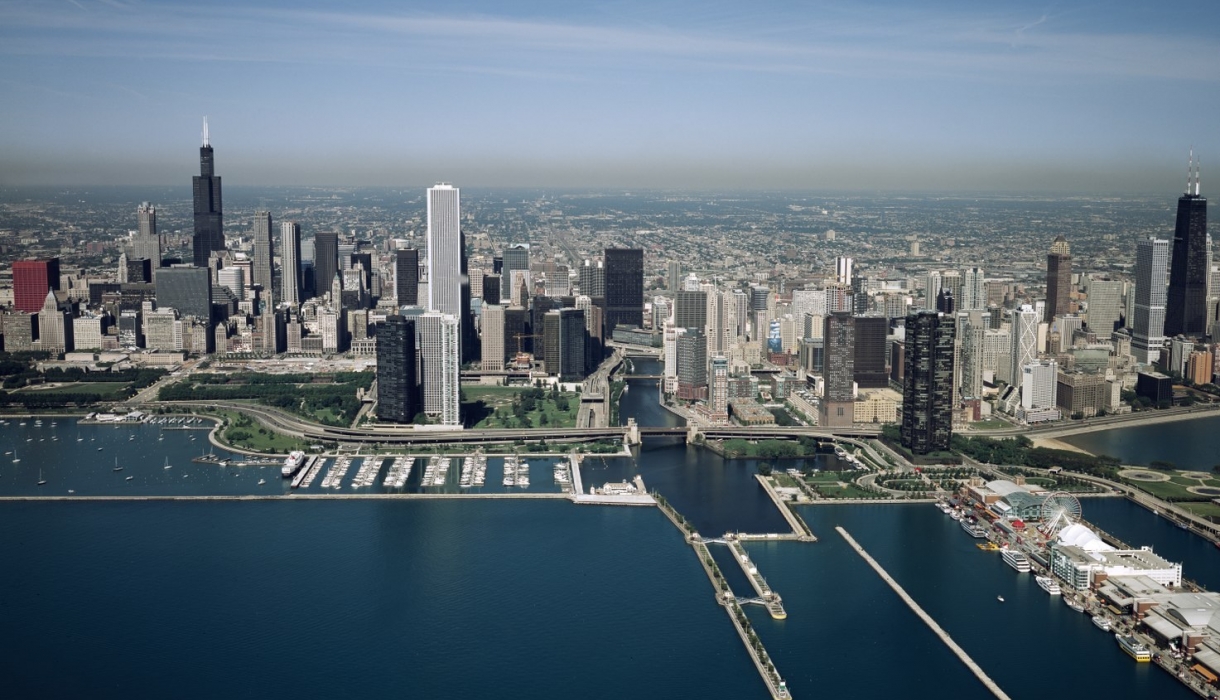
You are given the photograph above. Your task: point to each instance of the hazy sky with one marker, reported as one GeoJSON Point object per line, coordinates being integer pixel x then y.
{"type": "Point", "coordinates": [1070, 96]}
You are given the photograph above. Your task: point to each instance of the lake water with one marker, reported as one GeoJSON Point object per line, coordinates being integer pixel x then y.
{"type": "Point", "coordinates": [509, 599]}
{"type": "Point", "coordinates": [1189, 444]}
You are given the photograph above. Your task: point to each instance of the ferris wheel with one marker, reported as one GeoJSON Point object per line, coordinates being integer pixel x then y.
{"type": "Point", "coordinates": [1059, 510]}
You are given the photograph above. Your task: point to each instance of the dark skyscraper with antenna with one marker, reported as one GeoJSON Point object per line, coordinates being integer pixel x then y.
{"type": "Point", "coordinates": [1186, 308]}
{"type": "Point", "coordinates": [209, 217]}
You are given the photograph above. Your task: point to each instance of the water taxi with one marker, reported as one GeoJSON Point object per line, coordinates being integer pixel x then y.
{"type": "Point", "coordinates": [988, 547]}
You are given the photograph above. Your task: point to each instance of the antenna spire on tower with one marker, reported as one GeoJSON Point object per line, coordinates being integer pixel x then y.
{"type": "Point", "coordinates": [207, 143]}
{"type": "Point", "coordinates": [1190, 170]}
{"type": "Point", "coordinates": [1198, 174]}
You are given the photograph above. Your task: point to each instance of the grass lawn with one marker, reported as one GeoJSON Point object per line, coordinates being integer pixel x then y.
{"type": "Point", "coordinates": [492, 407]}
{"type": "Point", "coordinates": [1165, 489]}
{"type": "Point", "coordinates": [106, 389]}
{"type": "Point", "coordinates": [990, 424]}
{"type": "Point", "coordinates": [849, 491]}
{"type": "Point", "coordinates": [785, 480]}
{"type": "Point", "coordinates": [1206, 509]}
{"type": "Point", "coordinates": [245, 433]}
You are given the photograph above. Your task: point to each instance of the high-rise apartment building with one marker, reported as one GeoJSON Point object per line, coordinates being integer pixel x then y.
{"type": "Point", "coordinates": [517, 257]}
{"type": "Point", "coordinates": [325, 262]}
{"type": "Point", "coordinates": [692, 365]}
{"type": "Point", "coordinates": [838, 373]}
{"type": "Point", "coordinates": [291, 279]}
{"type": "Point", "coordinates": [209, 211]}
{"type": "Point", "coordinates": [1058, 279]}
{"type": "Point", "coordinates": [264, 254]}
{"type": "Point", "coordinates": [397, 399]}
{"type": "Point", "coordinates": [624, 287]}
{"type": "Point", "coordinates": [440, 353]}
{"type": "Point", "coordinates": [1105, 298]}
{"type": "Point", "coordinates": [1151, 293]}
{"type": "Point", "coordinates": [31, 280]}
{"type": "Point", "coordinates": [690, 309]}
{"type": "Point", "coordinates": [974, 290]}
{"type": "Point", "coordinates": [869, 361]}
{"type": "Point", "coordinates": [927, 395]}
{"type": "Point", "coordinates": [1186, 308]}
{"type": "Point", "coordinates": [406, 277]}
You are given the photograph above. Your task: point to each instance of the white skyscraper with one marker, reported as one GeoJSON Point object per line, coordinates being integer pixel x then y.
{"type": "Point", "coordinates": [1151, 290]}
{"type": "Point", "coordinates": [931, 288]}
{"type": "Point", "coordinates": [843, 270]}
{"type": "Point", "coordinates": [974, 292]}
{"type": "Point", "coordinates": [1024, 342]}
{"type": "Point", "coordinates": [290, 276]}
{"type": "Point", "coordinates": [444, 250]}
{"type": "Point", "coordinates": [439, 335]}
{"type": "Point", "coordinates": [1038, 384]}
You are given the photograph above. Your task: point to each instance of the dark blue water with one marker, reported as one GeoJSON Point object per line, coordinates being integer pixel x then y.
{"type": "Point", "coordinates": [511, 598]}
{"type": "Point", "coordinates": [82, 458]}
{"type": "Point", "coordinates": [849, 635]}
{"type": "Point", "coordinates": [1189, 444]}
{"type": "Point", "coordinates": [358, 599]}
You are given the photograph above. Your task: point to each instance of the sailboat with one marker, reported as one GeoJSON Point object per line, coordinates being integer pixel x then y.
{"type": "Point", "coordinates": [117, 468]}
{"type": "Point", "coordinates": [41, 481]}
{"type": "Point", "coordinates": [16, 459]}
{"type": "Point", "coordinates": [167, 464]}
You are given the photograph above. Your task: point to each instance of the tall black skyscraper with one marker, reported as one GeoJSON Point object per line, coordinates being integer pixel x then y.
{"type": "Point", "coordinates": [869, 366]}
{"type": "Point", "coordinates": [624, 288]}
{"type": "Point", "coordinates": [406, 277]}
{"type": "Point", "coordinates": [209, 216]}
{"type": "Point", "coordinates": [397, 397]}
{"type": "Point", "coordinates": [927, 383]}
{"type": "Point", "coordinates": [1186, 310]}
{"type": "Point", "coordinates": [325, 261]}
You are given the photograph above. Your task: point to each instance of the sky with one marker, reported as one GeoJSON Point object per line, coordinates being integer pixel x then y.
{"type": "Point", "coordinates": [871, 95]}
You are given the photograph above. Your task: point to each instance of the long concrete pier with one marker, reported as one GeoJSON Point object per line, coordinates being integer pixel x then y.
{"type": "Point", "coordinates": [762, 661]}
{"type": "Point", "coordinates": [944, 636]}
{"type": "Point", "coordinates": [799, 528]}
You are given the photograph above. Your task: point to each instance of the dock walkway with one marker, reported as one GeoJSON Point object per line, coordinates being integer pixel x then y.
{"type": "Point", "coordinates": [799, 528]}
{"type": "Point", "coordinates": [944, 636]}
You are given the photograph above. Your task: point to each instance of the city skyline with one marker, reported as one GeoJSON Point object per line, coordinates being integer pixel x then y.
{"type": "Point", "coordinates": [949, 97]}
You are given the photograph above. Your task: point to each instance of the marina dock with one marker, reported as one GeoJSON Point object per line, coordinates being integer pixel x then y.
{"type": "Point", "coordinates": [944, 636]}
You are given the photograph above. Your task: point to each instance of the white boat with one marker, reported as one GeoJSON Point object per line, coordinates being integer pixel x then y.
{"type": "Point", "coordinates": [1101, 623]}
{"type": "Point", "coordinates": [1000, 598]}
{"type": "Point", "coordinates": [1048, 584]}
{"type": "Point", "coordinates": [1131, 645]}
{"type": "Point", "coordinates": [955, 515]}
{"type": "Point", "coordinates": [1073, 604]}
{"type": "Point", "coordinates": [16, 459]}
{"type": "Point", "coordinates": [292, 463]}
{"type": "Point", "coordinates": [41, 481]}
{"type": "Point", "coordinates": [1016, 560]}
{"type": "Point", "coordinates": [167, 464]}
{"type": "Point", "coordinates": [973, 529]}
{"type": "Point", "coordinates": [261, 482]}
{"type": "Point", "coordinates": [130, 478]}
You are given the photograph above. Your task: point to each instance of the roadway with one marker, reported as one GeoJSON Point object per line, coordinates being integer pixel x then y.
{"type": "Point", "coordinates": [296, 426]}
{"type": "Point", "coordinates": [1087, 425]}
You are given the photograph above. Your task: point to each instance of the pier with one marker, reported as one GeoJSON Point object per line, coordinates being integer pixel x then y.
{"type": "Point", "coordinates": [758, 653]}
{"type": "Point", "coordinates": [799, 528]}
{"type": "Point", "coordinates": [944, 636]}
{"type": "Point", "coordinates": [771, 599]}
